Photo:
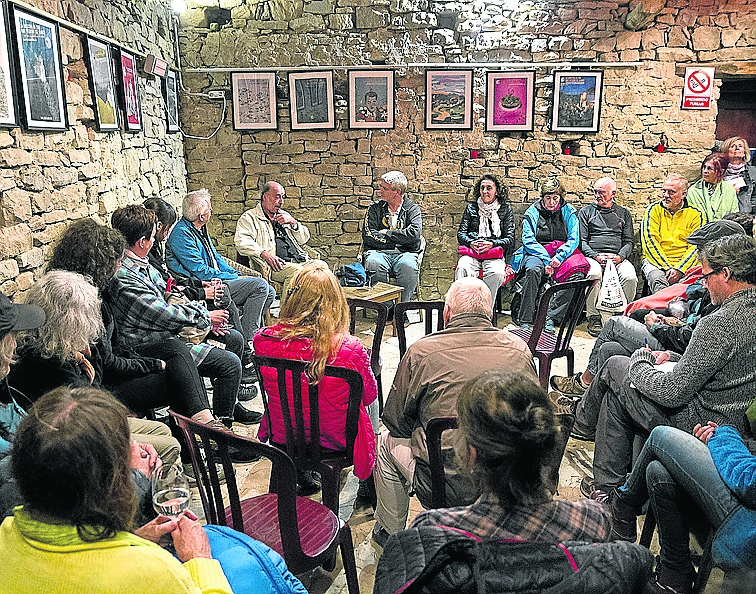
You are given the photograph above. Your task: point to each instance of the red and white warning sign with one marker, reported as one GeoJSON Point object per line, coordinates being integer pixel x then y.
{"type": "Point", "coordinates": [697, 88]}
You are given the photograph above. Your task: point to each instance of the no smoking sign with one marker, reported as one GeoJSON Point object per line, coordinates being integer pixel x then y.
{"type": "Point", "coordinates": [697, 88]}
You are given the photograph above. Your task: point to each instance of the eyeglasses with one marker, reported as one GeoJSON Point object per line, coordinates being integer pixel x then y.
{"type": "Point", "coordinates": [705, 277]}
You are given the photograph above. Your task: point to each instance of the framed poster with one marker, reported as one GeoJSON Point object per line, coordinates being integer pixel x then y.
{"type": "Point", "coordinates": [8, 116]}
{"type": "Point", "coordinates": [102, 84]}
{"type": "Point", "coordinates": [311, 96]}
{"type": "Point", "coordinates": [132, 110]}
{"type": "Point", "coordinates": [254, 100]}
{"type": "Point", "coordinates": [577, 100]}
{"type": "Point", "coordinates": [509, 101]}
{"type": "Point", "coordinates": [371, 99]}
{"type": "Point", "coordinates": [39, 71]}
{"type": "Point", "coordinates": [170, 93]}
{"type": "Point", "coordinates": [448, 99]}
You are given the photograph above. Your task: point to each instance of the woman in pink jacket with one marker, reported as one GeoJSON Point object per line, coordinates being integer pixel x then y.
{"type": "Point", "coordinates": [314, 326]}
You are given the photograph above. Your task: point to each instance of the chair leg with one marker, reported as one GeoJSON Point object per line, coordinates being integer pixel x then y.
{"type": "Point", "coordinates": [329, 481]}
{"type": "Point", "coordinates": [347, 559]}
{"type": "Point", "coordinates": [544, 367]}
{"type": "Point", "coordinates": [649, 525]}
{"type": "Point", "coordinates": [570, 362]}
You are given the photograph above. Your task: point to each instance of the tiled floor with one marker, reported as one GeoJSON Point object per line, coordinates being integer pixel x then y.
{"type": "Point", "coordinates": [252, 478]}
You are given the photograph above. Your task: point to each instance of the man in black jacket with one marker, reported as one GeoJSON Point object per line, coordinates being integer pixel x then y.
{"type": "Point", "coordinates": [391, 235]}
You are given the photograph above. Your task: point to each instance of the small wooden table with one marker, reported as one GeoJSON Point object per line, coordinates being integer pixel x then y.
{"type": "Point", "coordinates": [379, 293]}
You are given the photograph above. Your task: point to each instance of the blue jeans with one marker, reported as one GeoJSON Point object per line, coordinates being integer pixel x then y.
{"type": "Point", "coordinates": [676, 471]}
{"type": "Point", "coordinates": [403, 265]}
{"type": "Point", "coordinates": [253, 297]}
{"type": "Point", "coordinates": [619, 336]}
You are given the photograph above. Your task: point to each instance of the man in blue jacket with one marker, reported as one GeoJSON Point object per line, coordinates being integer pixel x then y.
{"type": "Point", "coordinates": [190, 253]}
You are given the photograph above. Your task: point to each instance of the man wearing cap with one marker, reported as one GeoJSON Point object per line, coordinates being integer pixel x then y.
{"type": "Point", "coordinates": [664, 228]}
{"type": "Point", "coordinates": [713, 380]}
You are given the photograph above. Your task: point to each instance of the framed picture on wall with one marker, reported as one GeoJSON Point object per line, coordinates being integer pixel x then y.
{"type": "Point", "coordinates": [371, 99]}
{"type": "Point", "coordinates": [311, 96]}
{"type": "Point", "coordinates": [448, 99]}
{"type": "Point", "coordinates": [102, 84]}
{"type": "Point", "coordinates": [8, 116]}
{"type": "Point", "coordinates": [170, 94]}
{"type": "Point", "coordinates": [254, 100]}
{"type": "Point", "coordinates": [509, 101]}
{"type": "Point", "coordinates": [132, 110]}
{"type": "Point", "coordinates": [577, 101]}
{"type": "Point", "coordinates": [39, 71]}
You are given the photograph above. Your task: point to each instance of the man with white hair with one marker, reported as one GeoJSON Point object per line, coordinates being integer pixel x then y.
{"type": "Point", "coordinates": [391, 235]}
{"type": "Point", "coordinates": [606, 233]}
{"type": "Point", "coordinates": [429, 377]}
{"type": "Point", "coordinates": [190, 253]}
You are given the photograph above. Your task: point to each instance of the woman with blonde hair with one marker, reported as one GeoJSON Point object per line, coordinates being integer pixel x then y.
{"type": "Point", "coordinates": [740, 174]}
{"type": "Point", "coordinates": [314, 326]}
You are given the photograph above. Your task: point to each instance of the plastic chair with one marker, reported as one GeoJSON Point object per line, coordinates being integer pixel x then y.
{"type": "Point", "coordinates": [425, 306]}
{"type": "Point", "coordinates": [380, 324]}
{"type": "Point", "coordinates": [302, 435]}
{"type": "Point", "coordinates": [304, 532]}
{"type": "Point", "coordinates": [547, 347]}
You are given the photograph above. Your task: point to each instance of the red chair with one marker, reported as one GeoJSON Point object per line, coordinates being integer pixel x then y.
{"type": "Point", "coordinates": [304, 532]}
{"type": "Point", "coordinates": [547, 347]}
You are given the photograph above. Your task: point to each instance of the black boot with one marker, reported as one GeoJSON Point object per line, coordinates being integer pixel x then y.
{"type": "Point", "coordinates": [367, 499]}
{"type": "Point", "coordinates": [308, 483]}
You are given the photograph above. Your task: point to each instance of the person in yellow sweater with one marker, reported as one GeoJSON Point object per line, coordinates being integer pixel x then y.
{"type": "Point", "coordinates": [71, 459]}
{"type": "Point", "coordinates": [664, 228]}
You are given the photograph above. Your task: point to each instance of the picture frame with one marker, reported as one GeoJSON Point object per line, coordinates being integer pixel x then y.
{"type": "Point", "coordinates": [254, 100]}
{"type": "Point", "coordinates": [311, 99]}
{"type": "Point", "coordinates": [130, 104]}
{"type": "Point", "coordinates": [371, 99]}
{"type": "Point", "coordinates": [510, 104]}
{"type": "Point", "coordinates": [39, 71]}
{"type": "Point", "coordinates": [448, 99]}
{"type": "Point", "coordinates": [8, 113]}
{"type": "Point", "coordinates": [577, 100]}
{"type": "Point", "coordinates": [102, 84]}
{"type": "Point", "coordinates": [170, 94]}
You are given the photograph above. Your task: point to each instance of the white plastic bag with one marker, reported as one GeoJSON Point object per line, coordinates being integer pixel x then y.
{"type": "Point", "coordinates": [611, 297]}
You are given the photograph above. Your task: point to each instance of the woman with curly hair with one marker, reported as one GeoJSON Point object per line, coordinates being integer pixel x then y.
{"type": "Point", "coordinates": [314, 327]}
{"type": "Point", "coordinates": [710, 194]}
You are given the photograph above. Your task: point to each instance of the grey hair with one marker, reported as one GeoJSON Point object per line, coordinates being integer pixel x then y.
{"type": "Point", "coordinates": [7, 346]}
{"type": "Point", "coordinates": [396, 179]}
{"type": "Point", "coordinates": [681, 181]}
{"type": "Point", "coordinates": [469, 295]}
{"type": "Point", "coordinates": [194, 204]}
{"type": "Point", "coordinates": [72, 314]}
{"type": "Point", "coordinates": [267, 186]}
{"type": "Point", "coordinates": [734, 252]}
{"type": "Point", "coordinates": [606, 181]}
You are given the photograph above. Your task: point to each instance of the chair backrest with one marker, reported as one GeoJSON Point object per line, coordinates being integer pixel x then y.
{"type": "Point", "coordinates": [426, 306]}
{"type": "Point", "coordinates": [205, 443]}
{"type": "Point", "coordinates": [302, 435]}
{"type": "Point", "coordinates": [551, 470]}
{"type": "Point", "coordinates": [380, 324]}
{"type": "Point", "coordinates": [573, 311]}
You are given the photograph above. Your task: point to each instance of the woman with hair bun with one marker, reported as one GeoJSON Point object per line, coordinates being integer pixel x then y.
{"type": "Point", "coordinates": [710, 194]}
{"type": "Point", "coordinates": [510, 432]}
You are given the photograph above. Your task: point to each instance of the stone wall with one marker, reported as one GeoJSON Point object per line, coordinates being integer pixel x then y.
{"type": "Point", "coordinates": [330, 176]}
{"type": "Point", "coordinates": [48, 179]}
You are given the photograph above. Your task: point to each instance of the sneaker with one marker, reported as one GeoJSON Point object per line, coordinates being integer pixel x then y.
{"type": "Point", "coordinates": [366, 499]}
{"type": "Point", "coordinates": [587, 486]}
{"type": "Point", "coordinates": [380, 535]}
{"type": "Point", "coordinates": [569, 386]}
{"type": "Point", "coordinates": [247, 391]}
{"type": "Point", "coordinates": [588, 489]}
{"type": "Point", "coordinates": [525, 326]}
{"type": "Point", "coordinates": [245, 416]}
{"type": "Point", "coordinates": [189, 474]}
{"type": "Point", "coordinates": [563, 405]}
{"type": "Point", "coordinates": [548, 326]}
{"type": "Point", "coordinates": [655, 585]}
{"type": "Point", "coordinates": [624, 521]}
{"type": "Point", "coordinates": [595, 325]}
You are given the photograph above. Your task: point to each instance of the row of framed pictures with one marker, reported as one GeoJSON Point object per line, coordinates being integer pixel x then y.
{"type": "Point", "coordinates": [510, 100]}
{"type": "Point", "coordinates": [32, 88]}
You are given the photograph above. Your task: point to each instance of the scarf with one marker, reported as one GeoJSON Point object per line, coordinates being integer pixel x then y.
{"type": "Point", "coordinates": [490, 225]}
{"type": "Point", "coordinates": [734, 175]}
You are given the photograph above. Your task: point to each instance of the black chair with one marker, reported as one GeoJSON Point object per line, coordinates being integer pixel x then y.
{"type": "Point", "coordinates": [301, 438]}
{"type": "Point", "coordinates": [304, 532]}
{"type": "Point", "coordinates": [428, 307]}
{"type": "Point", "coordinates": [381, 312]}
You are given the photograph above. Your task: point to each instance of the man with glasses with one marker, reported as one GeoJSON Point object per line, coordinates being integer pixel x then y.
{"type": "Point", "coordinates": [713, 380]}
{"type": "Point", "coordinates": [606, 233]}
{"type": "Point", "coordinates": [664, 228]}
{"type": "Point", "coordinates": [270, 235]}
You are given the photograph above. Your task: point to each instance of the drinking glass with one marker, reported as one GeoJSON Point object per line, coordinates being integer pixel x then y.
{"type": "Point", "coordinates": [170, 491]}
{"type": "Point", "coordinates": [218, 290]}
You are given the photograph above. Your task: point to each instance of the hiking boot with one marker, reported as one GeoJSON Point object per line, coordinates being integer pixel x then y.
{"type": "Point", "coordinates": [563, 405]}
{"type": "Point", "coordinates": [595, 325]}
{"type": "Point", "coordinates": [569, 385]}
{"type": "Point", "coordinates": [380, 535]}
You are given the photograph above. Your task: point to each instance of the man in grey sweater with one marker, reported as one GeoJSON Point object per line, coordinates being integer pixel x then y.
{"type": "Point", "coordinates": [714, 380]}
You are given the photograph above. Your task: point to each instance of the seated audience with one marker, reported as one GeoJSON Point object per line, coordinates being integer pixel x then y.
{"type": "Point", "coordinates": [314, 327]}
{"type": "Point", "coordinates": [190, 252]}
{"type": "Point", "coordinates": [711, 195]}
{"type": "Point", "coordinates": [664, 228]}
{"type": "Point", "coordinates": [692, 487]}
{"type": "Point", "coordinates": [428, 380]}
{"type": "Point", "coordinates": [606, 232]}
{"type": "Point", "coordinates": [740, 174]}
{"type": "Point", "coordinates": [487, 224]}
{"type": "Point", "coordinates": [550, 235]}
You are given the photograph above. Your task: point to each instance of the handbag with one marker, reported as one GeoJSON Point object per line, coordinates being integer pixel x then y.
{"type": "Point", "coordinates": [611, 297]}
{"type": "Point", "coordinates": [575, 263]}
{"type": "Point", "coordinates": [494, 253]}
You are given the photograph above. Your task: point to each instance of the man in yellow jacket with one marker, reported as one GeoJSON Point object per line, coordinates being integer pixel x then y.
{"type": "Point", "coordinates": [664, 229]}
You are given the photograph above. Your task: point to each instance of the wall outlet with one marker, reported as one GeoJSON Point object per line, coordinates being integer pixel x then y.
{"type": "Point", "coordinates": [219, 94]}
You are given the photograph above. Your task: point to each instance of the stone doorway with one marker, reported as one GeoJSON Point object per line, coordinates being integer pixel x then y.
{"type": "Point", "coordinates": [737, 110]}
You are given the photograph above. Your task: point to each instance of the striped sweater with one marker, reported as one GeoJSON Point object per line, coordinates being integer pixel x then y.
{"type": "Point", "coordinates": [663, 236]}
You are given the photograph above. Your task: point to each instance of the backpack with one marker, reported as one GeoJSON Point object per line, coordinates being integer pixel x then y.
{"type": "Point", "coordinates": [351, 275]}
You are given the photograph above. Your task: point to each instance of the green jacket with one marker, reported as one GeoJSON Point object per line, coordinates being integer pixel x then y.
{"type": "Point", "coordinates": [723, 201]}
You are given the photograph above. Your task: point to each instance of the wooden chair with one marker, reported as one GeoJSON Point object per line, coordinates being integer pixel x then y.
{"type": "Point", "coordinates": [304, 532]}
{"type": "Point", "coordinates": [301, 438]}
{"type": "Point", "coordinates": [428, 307]}
{"type": "Point", "coordinates": [547, 347]}
{"type": "Point", "coordinates": [381, 312]}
